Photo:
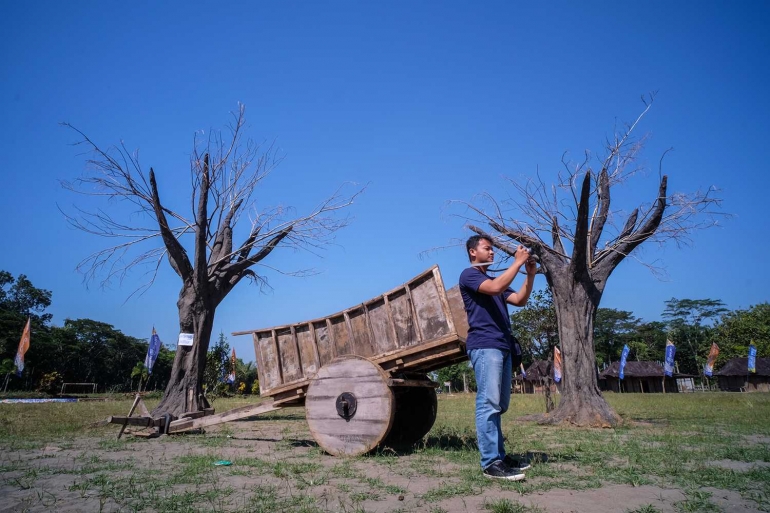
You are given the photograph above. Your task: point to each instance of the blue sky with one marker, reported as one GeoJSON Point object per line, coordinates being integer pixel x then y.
{"type": "Point", "coordinates": [423, 101]}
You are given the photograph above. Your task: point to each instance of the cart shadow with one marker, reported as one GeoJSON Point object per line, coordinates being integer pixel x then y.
{"type": "Point", "coordinates": [291, 442]}
{"type": "Point", "coordinates": [451, 443]}
{"type": "Point", "coordinates": [273, 417]}
{"type": "Point", "coordinates": [256, 439]}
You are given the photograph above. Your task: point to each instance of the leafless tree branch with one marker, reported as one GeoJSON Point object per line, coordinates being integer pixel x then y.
{"type": "Point", "coordinates": [225, 170]}
{"type": "Point", "coordinates": [574, 222]}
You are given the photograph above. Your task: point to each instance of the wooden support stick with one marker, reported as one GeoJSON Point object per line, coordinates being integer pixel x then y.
{"type": "Point", "coordinates": [137, 399]}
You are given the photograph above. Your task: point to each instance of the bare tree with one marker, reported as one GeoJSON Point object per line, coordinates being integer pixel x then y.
{"type": "Point", "coordinates": [585, 244]}
{"type": "Point", "coordinates": [225, 171]}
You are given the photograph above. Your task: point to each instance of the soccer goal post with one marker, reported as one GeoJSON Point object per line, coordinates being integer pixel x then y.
{"type": "Point", "coordinates": [81, 386]}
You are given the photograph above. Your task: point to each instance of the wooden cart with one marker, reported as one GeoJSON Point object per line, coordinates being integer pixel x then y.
{"type": "Point", "coordinates": [361, 373]}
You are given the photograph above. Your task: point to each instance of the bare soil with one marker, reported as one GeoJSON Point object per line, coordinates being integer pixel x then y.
{"type": "Point", "coordinates": [280, 455]}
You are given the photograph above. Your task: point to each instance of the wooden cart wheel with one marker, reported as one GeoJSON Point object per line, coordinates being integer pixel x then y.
{"type": "Point", "coordinates": [349, 406]}
{"type": "Point", "coordinates": [416, 409]}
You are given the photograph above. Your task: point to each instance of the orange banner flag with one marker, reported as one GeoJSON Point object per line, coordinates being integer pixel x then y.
{"type": "Point", "coordinates": [556, 364]}
{"type": "Point", "coordinates": [712, 358]}
{"type": "Point", "coordinates": [23, 346]}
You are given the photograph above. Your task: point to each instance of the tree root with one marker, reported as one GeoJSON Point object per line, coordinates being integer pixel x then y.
{"type": "Point", "coordinates": [595, 419]}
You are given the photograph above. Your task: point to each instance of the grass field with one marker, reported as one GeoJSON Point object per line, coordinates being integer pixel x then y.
{"type": "Point", "coordinates": [675, 452]}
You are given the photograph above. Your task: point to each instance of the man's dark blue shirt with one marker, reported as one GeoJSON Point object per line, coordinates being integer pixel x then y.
{"type": "Point", "coordinates": [489, 326]}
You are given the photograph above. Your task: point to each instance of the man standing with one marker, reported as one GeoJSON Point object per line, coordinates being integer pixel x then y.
{"type": "Point", "coordinates": [491, 347]}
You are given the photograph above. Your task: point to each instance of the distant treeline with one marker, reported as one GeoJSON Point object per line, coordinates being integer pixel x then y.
{"type": "Point", "coordinates": [89, 351]}
{"type": "Point", "coordinates": [691, 324]}
{"type": "Point", "coordinates": [85, 350]}
{"type": "Point", "coordinates": [81, 351]}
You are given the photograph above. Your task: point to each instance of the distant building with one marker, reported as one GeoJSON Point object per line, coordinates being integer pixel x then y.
{"type": "Point", "coordinates": [734, 376]}
{"type": "Point", "coordinates": [538, 374]}
{"type": "Point", "coordinates": [642, 377]}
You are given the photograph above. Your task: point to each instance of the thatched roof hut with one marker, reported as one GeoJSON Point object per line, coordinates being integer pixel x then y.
{"type": "Point", "coordinates": [644, 377]}
{"type": "Point", "coordinates": [535, 382]}
{"type": "Point", "coordinates": [539, 370]}
{"type": "Point", "coordinates": [740, 367]}
{"type": "Point", "coordinates": [634, 370]}
{"type": "Point", "coordinates": [734, 376]}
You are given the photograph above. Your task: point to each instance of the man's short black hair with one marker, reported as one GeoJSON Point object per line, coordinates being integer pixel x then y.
{"type": "Point", "coordinates": [473, 242]}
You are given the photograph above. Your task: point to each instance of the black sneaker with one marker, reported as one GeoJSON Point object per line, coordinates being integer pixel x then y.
{"type": "Point", "coordinates": [516, 464]}
{"type": "Point", "coordinates": [499, 470]}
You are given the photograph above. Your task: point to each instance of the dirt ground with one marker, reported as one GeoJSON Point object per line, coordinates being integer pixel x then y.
{"type": "Point", "coordinates": [276, 466]}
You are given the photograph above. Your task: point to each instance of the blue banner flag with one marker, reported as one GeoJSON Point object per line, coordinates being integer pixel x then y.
{"type": "Point", "coordinates": [556, 364]}
{"type": "Point", "coordinates": [523, 372]}
{"type": "Point", "coordinates": [225, 367]}
{"type": "Point", "coordinates": [152, 351]}
{"type": "Point", "coordinates": [623, 357]}
{"type": "Point", "coordinates": [752, 358]}
{"type": "Point", "coordinates": [668, 365]}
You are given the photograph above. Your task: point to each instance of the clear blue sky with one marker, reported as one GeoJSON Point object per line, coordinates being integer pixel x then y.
{"type": "Point", "coordinates": [425, 101]}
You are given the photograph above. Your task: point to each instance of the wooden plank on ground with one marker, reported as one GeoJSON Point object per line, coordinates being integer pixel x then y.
{"type": "Point", "coordinates": [134, 421]}
{"type": "Point", "coordinates": [192, 415]}
{"type": "Point", "coordinates": [234, 414]}
{"type": "Point", "coordinates": [149, 434]}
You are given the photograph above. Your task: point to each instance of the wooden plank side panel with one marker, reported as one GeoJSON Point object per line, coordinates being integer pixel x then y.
{"type": "Point", "coordinates": [362, 343]}
{"type": "Point", "coordinates": [403, 318]}
{"type": "Point", "coordinates": [444, 299]}
{"type": "Point", "coordinates": [417, 327]}
{"type": "Point", "coordinates": [382, 329]}
{"type": "Point", "coordinates": [457, 307]}
{"type": "Point", "coordinates": [307, 352]}
{"type": "Point", "coordinates": [287, 349]}
{"type": "Point", "coordinates": [323, 342]}
{"type": "Point", "coordinates": [341, 336]}
{"type": "Point", "coordinates": [429, 309]}
{"type": "Point", "coordinates": [260, 362]}
{"type": "Point", "coordinates": [271, 371]}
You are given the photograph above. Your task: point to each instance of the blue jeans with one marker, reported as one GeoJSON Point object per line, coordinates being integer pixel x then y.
{"type": "Point", "coordinates": [493, 396]}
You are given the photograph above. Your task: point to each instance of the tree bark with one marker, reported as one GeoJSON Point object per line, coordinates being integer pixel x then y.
{"type": "Point", "coordinates": [581, 401]}
{"type": "Point", "coordinates": [547, 393]}
{"type": "Point", "coordinates": [185, 386]}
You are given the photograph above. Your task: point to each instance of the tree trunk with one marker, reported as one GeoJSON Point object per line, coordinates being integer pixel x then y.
{"type": "Point", "coordinates": [185, 385]}
{"type": "Point", "coordinates": [547, 393]}
{"type": "Point", "coordinates": [581, 402]}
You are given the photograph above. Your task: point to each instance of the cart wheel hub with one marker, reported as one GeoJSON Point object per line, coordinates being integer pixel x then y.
{"type": "Point", "coordinates": [346, 406]}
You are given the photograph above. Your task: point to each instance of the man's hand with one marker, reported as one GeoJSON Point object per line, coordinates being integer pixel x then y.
{"type": "Point", "coordinates": [521, 255]}
{"type": "Point", "coordinates": [531, 266]}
